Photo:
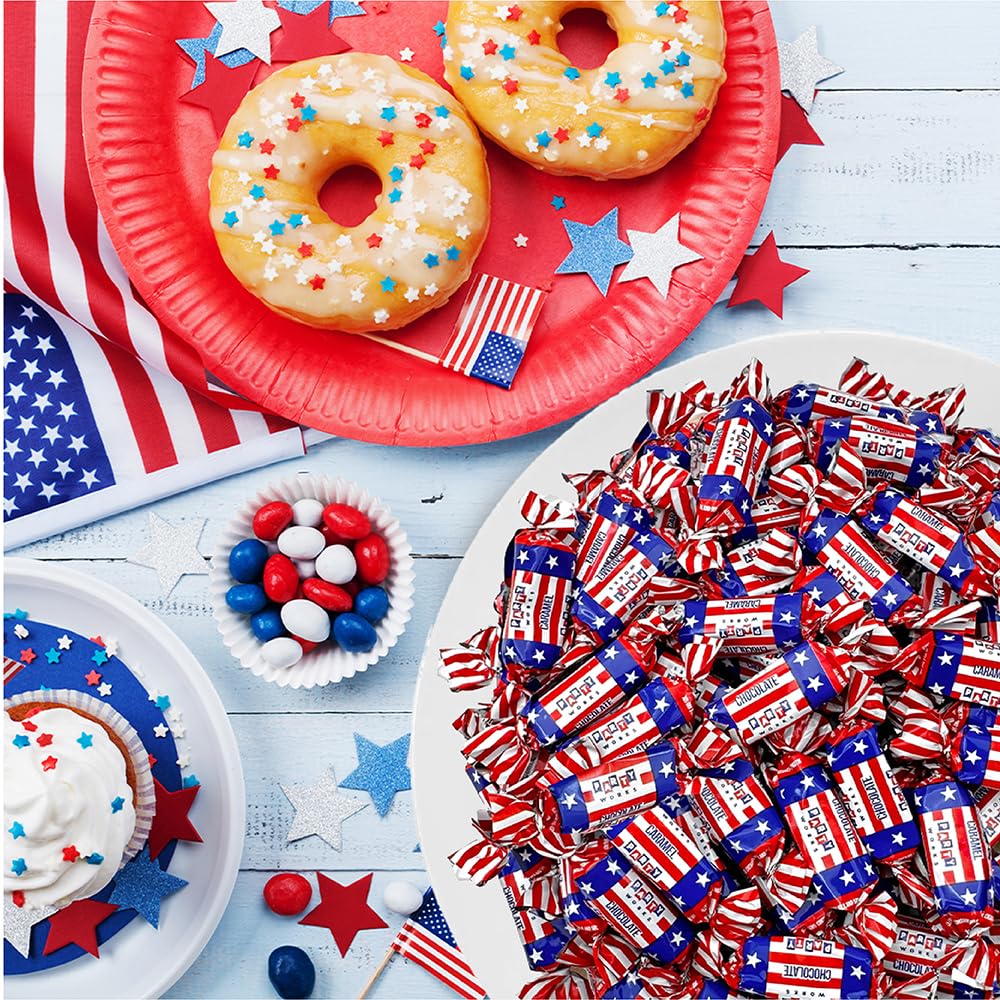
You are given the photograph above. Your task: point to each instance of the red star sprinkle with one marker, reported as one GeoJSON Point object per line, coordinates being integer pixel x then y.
{"type": "Point", "coordinates": [701, 114]}
{"type": "Point", "coordinates": [343, 910]}
{"type": "Point", "coordinates": [98, 640]}
{"type": "Point", "coordinates": [70, 853]}
{"type": "Point", "coordinates": [385, 138]}
{"type": "Point", "coordinates": [510, 85]}
{"type": "Point", "coordinates": [17, 897]}
{"type": "Point", "coordinates": [30, 726]}
{"type": "Point", "coordinates": [222, 91]}
{"type": "Point", "coordinates": [489, 47]}
{"type": "Point", "coordinates": [93, 678]}
{"type": "Point", "coordinates": [795, 128]}
{"type": "Point", "coordinates": [378, 7]}
{"type": "Point", "coordinates": [305, 249]}
{"type": "Point", "coordinates": [267, 147]}
{"type": "Point", "coordinates": [304, 36]}
{"type": "Point", "coordinates": [298, 101]}
{"type": "Point", "coordinates": [417, 161]}
{"type": "Point", "coordinates": [423, 120]}
{"type": "Point", "coordinates": [151, 759]}
{"type": "Point", "coordinates": [680, 15]}
{"type": "Point", "coordinates": [533, 37]}
{"type": "Point", "coordinates": [428, 147]}
{"type": "Point", "coordinates": [170, 822]}
{"type": "Point", "coordinates": [621, 95]}
{"type": "Point", "coordinates": [374, 240]}
{"type": "Point", "coordinates": [49, 763]}
{"type": "Point", "coordinates": [763, 276]}
{"type": "Point", "coordinates": [293, 124]}
{"type": "Point", "coordinates": [515, 13]}
{"type": "Point", "coordinates": [271, 172]}
{"type": "Point", "coordinates": [27, 655]}
{"type": "Point", "coordinates": [317, 282]}
{"type": "Point", "coordinates": [44, 740]}
{"type": "Point", "coordinates": [562, 134]}
{"type": "Point", "coordinates": [77, 924]}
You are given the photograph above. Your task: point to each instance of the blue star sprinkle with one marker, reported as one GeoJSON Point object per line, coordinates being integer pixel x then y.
{"type": "Point", "coordinates": [396, 174]}
{"type": "Point", "coordinates": [99, 657]}
{"type": "Point", "coordinates": [295, 220]}
{"type": "Point", "coordinates": [117, 804]}
{"type": "Point", "coordinates": [86, 740]}
{"type": "Point", "coordinates": [277, 227]}
{"type": "Point", "coordinates": [666, 67]}
{"type": "Point", "coordinates": [439, 29]}
{"type": "Point", "coordinates": [394, 195]}
{"type": "Point", "coordinates": [308, 113]}
{"type": "Point", "coordinates": [432, 260]}
{"type": "Point", "coordinates": [594, 130]}
{"type": "Point", "coordinates": [558, 202]}
{"type": "Point", "coordinates": [543, 139]}
{"type": "Point", "coordinates": [20, 615]}
{"type": "Point", "coordinates": [244, 139]}
{"type": "Point", "coordinates": [441, 111]}
{"type": "Point", "coordinates": [387, 284]}
{"type": "Point", "coordinates": [381, 771]}
{"type": "Point", "coordinates": [571, 73]}
{"type": "Point", "coordinates": [230, 218]}
{"type": "Point", "coordinates": [613, 79]}
{"type": "Point", "coordinates": [16, 830]}
{"type": "Point", "coordinates": [21, 740]}
{"type": "Point", "coordinates": [141, 886]}
{"type": "Point", "coordinates": [467, 73]}
{"type": "Point", "coordinates": [95, 858]}
{"type": "Point", "coordinates": [683, 59]}
{"type": "Point", "coordinates": [257, 192]}
{"type": "Point", "coordinates": [597, 250]}
{"type": "Point", "coordinates": [661, 9]}
{"type": "Point", "coordinates": [52, 655]}
{"type": "Point", "coordinates": [649, 81]}
{"type": "Point", "coordinates": [190, 780]}
{"type": "Point", "coordinates": [162, 702]}
{"type": "Point", "coordinates": [452, 253]}
{"type": "Point", "coordinates": [687, 89]}
{"type": "Point", "coordinates": [388, 113]}
{"type": "Point", "coordinates": [507, 51]}
{"type": "Point", "coordinates": [18, 866]}
{"type": "Point", "coordinates": [198, 48]}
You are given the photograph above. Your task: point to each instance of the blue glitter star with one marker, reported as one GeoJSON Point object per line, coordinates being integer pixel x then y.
{"type": "Point", "coordinates": [543, 139]}
{"type": "Point", "coordinates": [558, 202]}
{"type": "Point", "coordinates": [467, 73]}
{"type": "Point", "coordinates": [99, 656]}
{"type": "Point", "coordinates": [230, 218]}
{"type": "Point", "coordinates": [381, 771]}
{"type": "Point", "coordinates": [308, 113]}
{"type": "Point", "coordinates": [597, 250]}
{"type": "Point", "coordinates": [85, 740]}
{"type": "Point", "coordinates": [257, 192]}
{"type": "Point", "coordinates": [649, 81]}
{"type": "Point", "coordinates": [613, 79]}
{"type": "Point", "coordinates": [687, 89]}
{"type": "Point", "coordinates": [432, 260]}
{"type": "Point", "coordinates": [141, 886]}
{"type": "Point", "coordinates": [198, 48]}
{"type": "Point", "coordinates": [441, 111]}
{"type": "Point", "coordinates": [16, 830]}
{"type": "Point", "coordinates": [117, 803]}
{"type": "Point", "coordinates": [387, 284]}
{"type": "Point", "coordinates": [338, 8]}
{"type": "Point", "coordinates": [594, 130]}
{"type": "Point", "coordinates": [452, 253]}
{"type": "Point", "coordinates": [19, 866]}
{"type": "Point", "coordinates": [244, 139]}
{"type": "Point", "coordinates": [21, 740]}
{"type": "Point", "coordinates": [388, 113]}
{"type": "Point", "coordinates": [571, 73]}
{"type": "Point", "coordinates": [507, 51]}
{"type": "Point", "coordinates": [396, 174]}
{"type": "Point", "coordinates": [277, 227]}
{"type": "Point", "coordinates": [295, 220]}
{"type": "Point", "coordinates": [52, 655]}
{"type": "Point", "coordinates": [394, 195]}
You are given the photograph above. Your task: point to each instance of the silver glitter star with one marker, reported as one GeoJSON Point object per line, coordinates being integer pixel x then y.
{"type": "Point", "coordinates": [18, 921]}
{"type": "Point", "coordinates": [246, 24]}
{"type": "Point", "coordinates": [320, 809]}
{"type": "Point", "coordinates": [655, 255]}
{"type": "Point", "coordinates": [802, 67]}
{"type": "Point", "coordinates": [172, 550]}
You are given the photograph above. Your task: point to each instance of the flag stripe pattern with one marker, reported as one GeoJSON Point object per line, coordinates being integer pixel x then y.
{"type": "Point", "coordinates": [493, 328]}
{"type": "Point", "coordinates": [426, 938]}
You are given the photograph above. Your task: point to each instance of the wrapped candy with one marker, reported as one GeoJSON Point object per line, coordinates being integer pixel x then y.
{"type": "Point", "coordinates": [794, 967]}
{"type": "Point", "coordinates": [948, 664]}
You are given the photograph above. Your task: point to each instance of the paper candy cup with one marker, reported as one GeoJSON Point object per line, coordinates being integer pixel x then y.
{"type": "Point", "coordinates": [110, 718]}
{"type": "Point", "coordinates": [326, 664]}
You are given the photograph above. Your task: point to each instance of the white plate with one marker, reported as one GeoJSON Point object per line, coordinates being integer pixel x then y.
{"type": "Point", "coordinates": [140, 961]}
{"type": "Point", "coordinates": [445, 799]}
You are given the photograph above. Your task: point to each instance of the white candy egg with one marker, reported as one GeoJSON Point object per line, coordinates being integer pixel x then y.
{"type": "Point", "coordinates": [281, 652]}
{"type": "Point", "coordinates": [336, 564]}
{"type": "Point", "coordinates": [305, 619]}
{"type": "Point", "coordinates": [308, 512]}
{"type": "Point", "coordinates": [301, 542]}
{"type": "Point", "coordinates": [305, 568]}
{"type": "Point", "coordinates": [402, 897]}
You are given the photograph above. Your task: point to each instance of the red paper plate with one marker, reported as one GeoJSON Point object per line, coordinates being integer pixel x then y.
{"type": "Point", "coordinates": [150, 157]}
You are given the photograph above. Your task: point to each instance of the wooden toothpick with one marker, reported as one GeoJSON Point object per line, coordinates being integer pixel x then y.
{"type": "Point", "coordinates": [386, 958]}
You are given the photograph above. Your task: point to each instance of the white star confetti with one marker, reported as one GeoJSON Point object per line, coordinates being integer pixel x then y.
{"type": "Point", "coordinates": [802, 67]}
{"type": "Point", "coordinates": [246, 24]}
{"type": "Point", "coordinates": [655, 255]}
{"type": "Point", "coordinates": [18, 921]}
{"type": "Point", "coordinates": [172, 550]}
{"type": "Point", "coordinates": [320, 810]}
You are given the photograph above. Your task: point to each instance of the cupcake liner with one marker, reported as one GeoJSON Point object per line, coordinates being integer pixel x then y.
{"type": "Point", "coordinates": [327, 664]}
{"type": "Point", "coordinates": [145, 794]}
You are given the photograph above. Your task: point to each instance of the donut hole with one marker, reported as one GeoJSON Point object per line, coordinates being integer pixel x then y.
{"type": "Point", "coordinates": [587, 37]}
{"type": "Point", "coordinates": [349, 194]}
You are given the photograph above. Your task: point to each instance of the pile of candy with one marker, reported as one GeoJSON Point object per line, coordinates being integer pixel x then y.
{"type": "Point", "coordinates": [742, 735]}
{"type": "Point", "coordinates": [311, 573]}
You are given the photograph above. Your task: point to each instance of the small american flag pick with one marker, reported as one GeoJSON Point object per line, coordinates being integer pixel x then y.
{"type": "Point", "coordinates": [426, 939]}
{"type": "Point", "coordinates": [491, 335]}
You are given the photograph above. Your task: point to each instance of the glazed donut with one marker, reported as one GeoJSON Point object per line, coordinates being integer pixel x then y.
{"type": "Point", "coordinates": [290, 134]}
{"type": "Point", "coordinates": [630, 116]}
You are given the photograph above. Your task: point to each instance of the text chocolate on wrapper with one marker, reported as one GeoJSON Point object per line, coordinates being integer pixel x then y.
{"type": "Point", "coordinates": [739, 728]}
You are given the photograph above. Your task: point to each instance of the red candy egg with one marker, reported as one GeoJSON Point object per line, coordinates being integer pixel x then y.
{"type": "Point", "coordinates": [326, 595]}
{"type": "Point", "coordinates": [372, 555]}
{"type": "Point", "coordinates": [345, 521]}
{"type": "Point", "coordinates": [287, 893]}
{"type": "Point", "coordinates": [272, 519]}
{"type": "Point", "coordinates": [281, 580]}
{"type": "Point", "coordinates": [307, 646]}
{"type": "Point", "coordinates": [332, 538]}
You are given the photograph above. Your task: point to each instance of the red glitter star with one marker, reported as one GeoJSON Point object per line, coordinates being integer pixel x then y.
{"type": "Point", "coordinates": [343, 910]}
{"type": "Point", "coordinates": [489, 47]}
{"type": "Point", "coordinates": [374, 240]}
{"type": "Point", "coordinates": [93, 678]}
{"type": "Point", "coordinates": [423, 120]}
{"type": "Point", "coordinates": [417, 161]}
{"type": "Point", "coordinates": [267, 147]}
{"type": "Point", "coordinates": [385, 138]}
{"type": "Point", "coordinates": [44, 740]}
{"type": "Point", "coordinates": [428, 147]}
{"type": "Point", "coordinates": [271, 172]}
{"type": "Point", "coordinates": [49, 763]}
{"type": "Point", "coordinates": [70, 853]}
{"type": "Point", "coordinates": [795, 127]}
{"type": "Point", "coordinates": [305, 249]}
{"type": "Point", "coordinates": [680, 15]}
{"type": "Point", "coordinates": [621, 95]}
{"type": "Point", "coordinates": [170, 822]}
{"type": "Point", "coordinates": [533, 37]}
{"type": "Point", "coordinates": [515, 13]}
{"type": "Point", "coordinates": [317, 282]}
{"type": "Point", "coordinates": [298, 101]}
{"type": "Point", "coordinates": [293, 124]}
{"type": "Point", "coordinates": [222, 90]}
{"type": "Point", "coordinates": [763, 277]}
{"type": "Point", "coordinates": [510, 85]}
{"type": "Point", "coordinates": [304, 36]}
{"type": "Point", "coordinates": [28, 655]}
{"type": "Point", "coordinates": [77, 924]}
{"type": "Point", "coordinates": [562, 134]}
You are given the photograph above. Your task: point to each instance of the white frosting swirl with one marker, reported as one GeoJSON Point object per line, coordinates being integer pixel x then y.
{"type": "Point", "coordinates": [82, 803]}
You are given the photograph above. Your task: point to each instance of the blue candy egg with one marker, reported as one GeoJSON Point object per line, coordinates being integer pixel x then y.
{"type": "Point", "coordinates": [353, 633]}
{"type": "Point", "coordinates": [372, 603]}
{"type": "Point", "coordinates": [267, 625]}
{"type": "Point", "coordinates": [291, 972]}
{"type": "Point", "coordinates": [246, 560]}
{"type": "Point", "coordinates": [246, 598]}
